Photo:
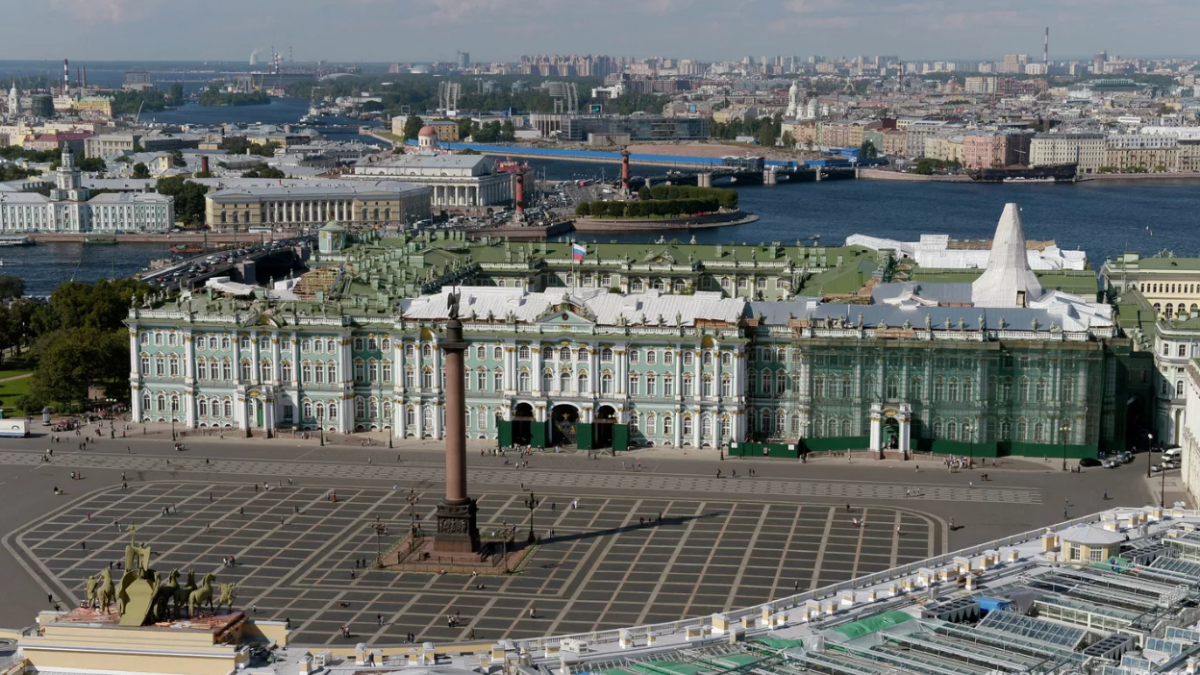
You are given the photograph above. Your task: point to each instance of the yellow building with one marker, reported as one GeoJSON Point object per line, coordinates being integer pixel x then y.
{"type": "Point", "coordinates": [93, 641]}
{"type": "Point", "coordinates": [99, 105]}
{"type": "Point", "coordinates": [447, 130]}
{"type": "Point", "coordinates": [1170, 285]}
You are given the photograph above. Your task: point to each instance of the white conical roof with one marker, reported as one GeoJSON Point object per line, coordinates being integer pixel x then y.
{"type": "Point", "coordinates": [1008, 274]}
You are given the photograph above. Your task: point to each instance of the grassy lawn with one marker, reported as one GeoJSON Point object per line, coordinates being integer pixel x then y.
{"type": "Point", "coordinates": [5, 374]}
{"type": "Point", "coordinates": [11, 392]}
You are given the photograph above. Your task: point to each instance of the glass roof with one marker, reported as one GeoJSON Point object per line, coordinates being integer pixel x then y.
{"type": "Point", "coordinates": [1035, 629]}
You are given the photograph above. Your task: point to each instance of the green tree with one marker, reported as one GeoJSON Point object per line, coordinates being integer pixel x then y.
{"type": "Point", "coordinates": [176, 93]}
{"type": "Point", "coordinates": [789, 141]}
{"type": "Point", "coordinates": [766, 135]}
{"type": "Point", "coordinates": [868, 150]}
{"type": "Point", "coordinates": [508, 133]}
{"type": "Point", "coordinates": [11, 287]}
{"type": "Point", "coordinates": [264, 170]}
{"type": "Point", "coordinates": [464, 128]}
{"type": "Point", "coordinates": [140, 170]}
{"type": "Point", "coordinates": [583, 209]}
{"type": "Point", "coordinates": [412, 126]}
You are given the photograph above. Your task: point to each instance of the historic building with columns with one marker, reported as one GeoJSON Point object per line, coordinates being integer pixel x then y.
{"type": "Point", "coordinates": [456, 180]}
{"type": "Point", "coordinates": [358, 203]}
{"type": "Point", "coordinates": [992, 366]}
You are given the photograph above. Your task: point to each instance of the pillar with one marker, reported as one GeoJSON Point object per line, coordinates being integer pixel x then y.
{"type": "Point", "coordinates": [876, 426]}
{"type": "Point", "coordinates": [905, 417]}
{"type": "Point", "coordinates": [457, 531]}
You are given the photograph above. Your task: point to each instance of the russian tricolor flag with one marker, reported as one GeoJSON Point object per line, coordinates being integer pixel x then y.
{"type": "Point", "coordinates": [577, 252]}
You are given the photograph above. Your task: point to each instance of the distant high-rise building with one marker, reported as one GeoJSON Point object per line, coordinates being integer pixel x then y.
{"type": "Point", "coordinates": [1098, 62]}
{"type": "Point", "coordinates": [464, 60]}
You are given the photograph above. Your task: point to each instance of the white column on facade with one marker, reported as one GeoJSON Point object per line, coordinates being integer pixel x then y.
{"type": "Point", "coordinates": [437, 369]}
{"type": "Point", "coordinates": [697, 423]}
{"type": "Point", "coordinates": [593, 371]}
{"type": "Point", "coordinates": [622, 376]}
{"type": "Point", "coordinates": [438, 412]}
{"type": "Point", "coordinates": [716, 375]}
{"type": "Point", "coordinates": [536, 376]}
{"type": "Point", "coordinates": [346, 373]}
{"type": "Point", "coordinates": [876, 426]}
{"type": "Point", "coordinates": [255, 376]}
{"type": "Point", "coordinates": [678, 357]}
{"type": "Point", "coordinates": [697, 382]}
{"type": "Point", "coordinates": [677, 431]}
{"type": "Point", "coordinates": [135, 375]}
{"type": "Point", "coordinates": [419, 428]}
{"type": "Point", "coordinates": [189, 375]}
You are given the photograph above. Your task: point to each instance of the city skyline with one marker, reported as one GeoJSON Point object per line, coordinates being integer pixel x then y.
{"type": "Point", "coordinates": [502, 30]}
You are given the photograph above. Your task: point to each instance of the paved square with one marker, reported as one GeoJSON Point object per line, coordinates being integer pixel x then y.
{"type": "Point", "coordinates": [602, 568]}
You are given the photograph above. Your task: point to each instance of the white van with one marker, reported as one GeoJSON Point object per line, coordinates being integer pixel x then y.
{"type": "Point", "coordinates": [1172, 455]}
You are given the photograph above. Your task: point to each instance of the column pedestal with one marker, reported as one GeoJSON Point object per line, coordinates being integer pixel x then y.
{"type": "Point", "coordinates": [457, 530]}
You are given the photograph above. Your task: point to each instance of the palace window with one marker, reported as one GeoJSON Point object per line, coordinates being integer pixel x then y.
{"type": "Point", "coordinates": [227, 370]}
{"type": "Point", "coordinates": [372, 371]}
{"type": "Point", "coordinates": [426, 351]}
{"type": "Point", "coordinates": [606, 384]}
{"type": "Point", "coordinates": [726, 428]}
{"type": "Point", "coordinates": [358, 370]}
{"type": "Point", "coordinates": [523, 353]}
{"type": "Point", "coordinates": [781, 381]}
{"type": "Point", "coordinates": [687, 426]}
{"type": "Point", "coordinates": [547, 353]}
{"type": "Point", "coordinates": [358, 344]}
{"type": "Point", "coordinates": [583, 382]}
{"type": "Point", "coordinates": [706, 387]}
{"type": "Point", "coordinates": [668, 356]}
{"type": "Point", "coordinates": [547, 380]}
{"type": "Point", "coordinates": [265, 371]}
{"type": "Point", "coordinates": [523, 381]}
{"type": "Point", "coordinates": [688, 358]}
{"type": "Point", "coordinates": [651, 357]}
{"type": "Point", "coordinates": [201, 368]}
{"type": "Point", "coordinates": [726, 386]}
{"type": "Point", "coordinates": [202, 407]}
{"type": "Point", "coordinates": [726, 358]}
{"type": "Point", "coordinates": [372, 344]}
{"type": "Point", "coordinates": [286, 368]}
{"type": "Point", "coordinates": [480, 353]}
{"type": "Point", "coordinates": [606, 355]}
{"type": "Point", "coordinates": [427, 378]}
{"type": "Point", "coordinates": [387, 372]}
{"type": "Point", "coordinates": [706, 426]}
{"type": "Point", "coordinates": [687, 389]}
{"type": "Point", "coordinates": [635, 357]}
{"type": "Point", "coordinates": [668, 385]}
{"type": "Point", "coordinates": [651, 385]}
{"type": "Point", "coordinates": [668, 422]}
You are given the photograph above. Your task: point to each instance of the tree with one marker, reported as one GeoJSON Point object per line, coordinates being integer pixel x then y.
{"type": "Point", "coordinates": [140, 170]}
{"type": "Point", "coordinates": [412, 127]}
{"type": "Point", "coordinates": [789, 141]}
{"type": "Point", "coordinates": [868, 150]}
{"type": "Point", "coordinates": [508, 134]}
{"type": "Point", "coordinates": [583, 209]}
{"type": "Point", "coordinates": [11, 287]}
{"type": "Point", "coordinates": [766, 135]}
{"type": "Point", "coordinates": [176, 93]}
{"type": "Point", "coordinates": [264, 170]}
{"type": "Point", "coordinates": [464, 128]}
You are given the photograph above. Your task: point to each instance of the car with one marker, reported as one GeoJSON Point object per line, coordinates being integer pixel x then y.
{"type": "Point", "coordinates": [1111, 464]}
{"type": "Point", "coordinates": [1088, 462]}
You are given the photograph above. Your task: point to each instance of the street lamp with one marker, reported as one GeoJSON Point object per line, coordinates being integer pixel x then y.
{"type": "Point", "coordinates": [1062, 430]}
{"type": "Point", "coordinates": [380, 530]}
{"type": "Point", "coordinates": [968, 429]}
{"type": "Point", "coordinates": [173, 437]}
{"type": "Point", "coordinates": [321, 424]}
{"type": "Point", "coordinates": [413, 499]}
{"type": "Point", "coordinates": [531, 503]}
{"type": "Point", "coordinates": [1149, 440]}
{"type": "Point", "coordinates": [1162, 490]}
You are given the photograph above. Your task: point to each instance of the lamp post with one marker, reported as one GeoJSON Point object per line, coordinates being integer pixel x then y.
{"type": "Point", "coordinates": [531, 502]}
{"type": "Point", "coordinates": [413, 499]}
{"type": "Point", "coordinates": [321, 424]}
{"type": "Point", "coordinates": [380, 530]}
{"type": "Point", "coordinates": [969, 430]}
{"type": "Point", "coordinates": [173, 438]}
{"type": "Point", "coordinates": [1149, 440]}
{"type": "Point", "coordinates": [1162, 490]}
{"type": "Point", "coordinates": [1063, 429]}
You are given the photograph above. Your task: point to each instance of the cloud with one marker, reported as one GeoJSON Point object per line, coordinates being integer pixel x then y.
{"type": "Point", "coordinates": [113, 11]}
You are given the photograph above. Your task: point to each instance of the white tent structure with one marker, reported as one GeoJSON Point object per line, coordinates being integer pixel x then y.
{"type": "Point", "coordinates": [1008, 281]}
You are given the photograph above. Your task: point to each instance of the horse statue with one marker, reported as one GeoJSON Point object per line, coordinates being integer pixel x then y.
{"type": "Point", "coordinates": [91, 583]}
{"type": "Point", "coordinates": [108, 592]}
{"type": "Point", "coordinates": [183, 591]}
{"type": "Point", "coordinates": [201, 595]}
{"type": "Point", "coordinates": [228, 595]}
{"type": "Point", "coordinates": [168, 592]}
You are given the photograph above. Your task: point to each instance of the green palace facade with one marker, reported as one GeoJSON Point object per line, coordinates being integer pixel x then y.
{"type": "Point", "coordinates": [761, 348]}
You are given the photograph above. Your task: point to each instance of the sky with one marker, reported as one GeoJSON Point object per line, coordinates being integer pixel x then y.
{"type": "Point", "coordinates": [503, 30]}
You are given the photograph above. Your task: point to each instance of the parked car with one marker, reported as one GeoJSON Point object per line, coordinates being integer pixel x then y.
{"type": "Point", "coordinates": [1088, 462]}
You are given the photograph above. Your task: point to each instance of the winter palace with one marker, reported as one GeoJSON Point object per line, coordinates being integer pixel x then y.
{"type": "Point", "coordinates": [783, 348]}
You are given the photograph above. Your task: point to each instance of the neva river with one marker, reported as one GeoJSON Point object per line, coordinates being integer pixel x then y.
{"type": "Point", "coordinates": [1103, 218]}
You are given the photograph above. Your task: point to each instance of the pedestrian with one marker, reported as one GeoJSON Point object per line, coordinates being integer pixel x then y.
{"type": "Point", "coordinates": [897, 530]}
{"type": "Point", "coordinates": [970, 483]}
{"type": "Point", "coordinates": [351, 574]}
{"type": "Point", "coordinates": [124, 485]}
{"type": "Point", "coordinates": [122, 475]}
{"type": "Point", "coordinates": [379, 619]}
{"type": "Point", "coordinates": [1064, 513]}
{"type": "Point", "coordinates": [951, 523]}
{"type": "Point", "coordinates": [210, 497]}
{"type": "Point", "coordinates": [1105, 499]}
{"type": "Point", "coordinates": [847, 507]}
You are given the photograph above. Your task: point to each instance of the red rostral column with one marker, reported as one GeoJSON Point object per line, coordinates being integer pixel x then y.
{"type": "Point", "coordinates": [457, 531]}
{"type": "Point", "coordinates": [520, 193]}
{"type": "Point", "coordinates": [625, 171]}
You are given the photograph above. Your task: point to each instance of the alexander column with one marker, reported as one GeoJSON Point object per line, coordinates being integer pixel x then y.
{"type": "Point", "coordinates": [456, 528]}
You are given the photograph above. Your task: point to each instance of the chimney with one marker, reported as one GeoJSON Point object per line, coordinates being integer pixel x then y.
{"type": "Point", "coordinates": [204, 163]}
{"type": "Point", "coordinates": [1046, 49]}
{"type": "Point", "coordinates": [66, 78]}
{"type": "Point", "coordinates": [519, 197]}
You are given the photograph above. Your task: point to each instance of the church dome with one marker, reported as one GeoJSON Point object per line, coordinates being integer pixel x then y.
{"type": "Point", "coordinates": [427, 131]}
